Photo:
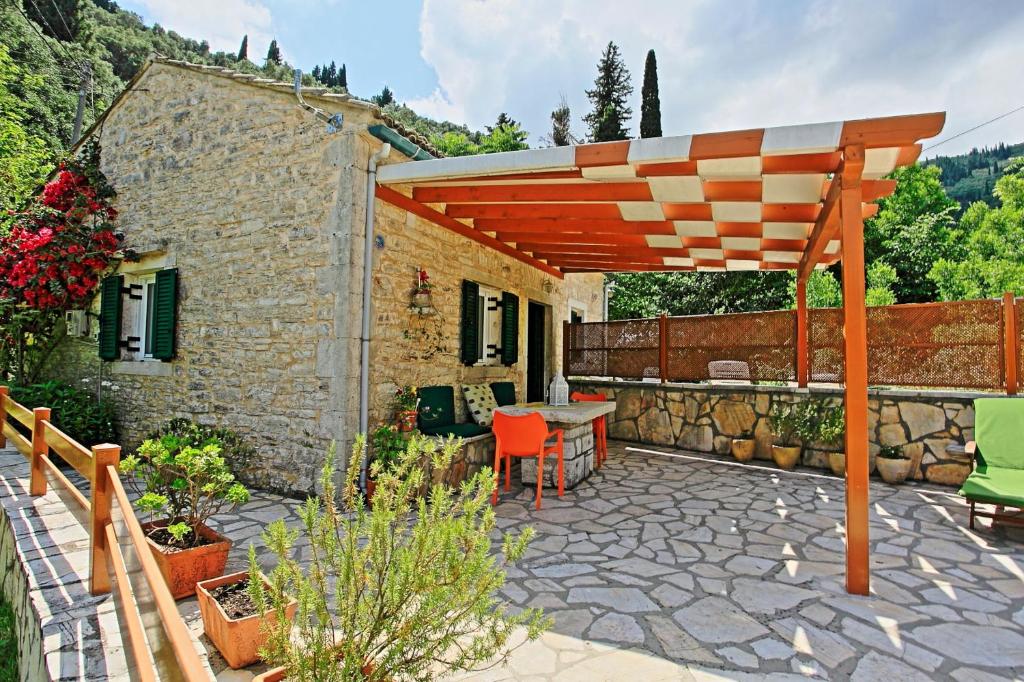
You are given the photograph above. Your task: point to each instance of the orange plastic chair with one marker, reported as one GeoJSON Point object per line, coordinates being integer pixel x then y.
{"type": "Point", "coordinates": [525, 436]}
{"type": "Point", "coordinates": [600, 425]}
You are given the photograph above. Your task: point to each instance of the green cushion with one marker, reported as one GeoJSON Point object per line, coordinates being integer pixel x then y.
{"type": "Point", "coordinates": [437, 407]}
{"type": "Point", "coordinates": [504, 392]}
{"type": "Point", "coordinates": [461, 430]}
{"type": "Point", "coordinates": [995, 485]}
{"type": "Point", "coordinates": [999, 432]}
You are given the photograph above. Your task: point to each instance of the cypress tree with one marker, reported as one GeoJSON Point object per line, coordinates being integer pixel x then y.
{"type": "Point", "coordinates": [332, 75]}
{"type": "Point", "coordinates": [273, 53]}
{"type": "Point", "coordinates": [316, 74]}
{"type": "Point", "coordinates": [385, 97]}
{"type": "Point", "coordinates": [343, 78]}
{"type": "Point", "coordinates": [650, 102]}
{"type": "Point", "coordinates": [243, 51]}
{"type": "Point", "coordinates": [608, 119]}
{"type": "Point", "coordinates": [560, 122]}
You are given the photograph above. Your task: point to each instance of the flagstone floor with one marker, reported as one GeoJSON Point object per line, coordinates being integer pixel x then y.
{"type": "Point", "coordinates": [667, 566]}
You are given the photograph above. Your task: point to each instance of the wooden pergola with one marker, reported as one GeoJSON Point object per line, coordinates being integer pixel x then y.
{"type": "Point", "coordinates": [792, 197]}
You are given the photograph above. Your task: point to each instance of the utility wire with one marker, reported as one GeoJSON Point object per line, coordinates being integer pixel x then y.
{"type": "Point", "coordinates": [59, 59]}
{"type": "Point", "coordinates": [60, 15]}
{"type": "Point", "coordinates": [971, 130]}
{"type": "Point", "coordinates": [60, 43]}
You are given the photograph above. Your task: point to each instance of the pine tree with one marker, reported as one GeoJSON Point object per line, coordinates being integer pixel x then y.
{"type": "Point", "coordinates": [273, 53]}
{"type": "Point", "coordinates": [650, 103]}
{"type": "Point", "coordinates": [243, 51]}
{"type": "Point", "coordinates": [561, 119]}
{"type": "Point", "coordinates": [611, 91]}
{"type": "Point", "coordinates": [385, 97]}
{"type": "Point", "coordinates": [343, 78]}
{"type": "Point", "coordinates": [316, 74]}
{"type": "Point", "coordinates": [503, 120]}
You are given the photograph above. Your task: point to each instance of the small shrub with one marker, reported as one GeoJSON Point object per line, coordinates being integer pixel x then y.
{"type": "Point", "coordinates": [386, 446]}
{"type": "Point", "coordinates": [827, 424]}
{"type": "Point", "coordinates": [74, 411]}
{"type": "Point", "coordinates": [891, 452]}
{"type": "Point", "coordinates": [182, 484]}
{"type": "Point", "coordinates": [406, 399]}
{"type": "Point", "coordinates": [239, 455]}
{"type": "Point", "coordinates": [786, 421]}
{"type": "Point", "coordinates": [389, 594]}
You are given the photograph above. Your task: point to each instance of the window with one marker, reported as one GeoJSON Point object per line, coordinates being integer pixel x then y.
{"type": "Point", "coordinates": [138, 316]}
{"type": "Point", "coordinates": [144, 315]}
{"type": "Point", "coordinates": [490, 326]}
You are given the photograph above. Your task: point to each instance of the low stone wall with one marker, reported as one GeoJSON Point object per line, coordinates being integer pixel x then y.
{"type": "Point", "coordinates": [929, 425]}
{"type": "Point", "coordinates": [15, 589]}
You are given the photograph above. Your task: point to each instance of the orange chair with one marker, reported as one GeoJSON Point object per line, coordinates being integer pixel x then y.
{"type": "Point", "coordinates": [525, 436]}
{"type": "Point", "coordinates": [600, 425]}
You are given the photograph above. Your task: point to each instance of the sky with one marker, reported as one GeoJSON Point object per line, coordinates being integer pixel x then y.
{"type": "Point", "coordinates": [722, 65]}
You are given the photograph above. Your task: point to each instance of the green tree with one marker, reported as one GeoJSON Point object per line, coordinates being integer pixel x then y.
{"type": "Point", "coordinates": [913, 229]}
{"type": "Point", "coordinates": [650, 102]}
{"type": "Point", "coordinates": [58, 18]}
{"type": "Point", "coordinates": [454, 144]}
{"type": "Point", "coordinates": [24, 158]}
{"type": "Point", "coordinates": [243, 51]}
{"type": "Point", "coordinates": [881, 278]}
{"type": "Point", "coordinates": [561, 120]}
{"type": "Point", "coordinates": [993, 258]}
{"type": "Point", "coordinates": [505, 138]}
{"type": "Point", "coordinates": [385, 97]}
{"type": "Point", "coordinates": [823, 290]}
{"type": "Point", "coordinates": [343, 78]}
{"type": "Point", "coordinates": [609, 117]}
{"type": "Point", "coordinates": [273, 53]}
{"type": "Point", "coordinates": [646, 294]}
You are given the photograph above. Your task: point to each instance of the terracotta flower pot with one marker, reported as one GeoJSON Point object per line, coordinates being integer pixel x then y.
{"type": "Point", "coordinates": [893, 470]}
{"type": "Point", "coordinates": [786, 457]}
{"type": "Point", "coordinates": [238, 640]}
{"type": "Point", "coordinates": [407, 420]}
{"type": "Point", "coordinates": [837, 463]}
{"type": "Point", "coordinates": [743, 449]}
{"type": "Point", "coordinates": [183, 568]}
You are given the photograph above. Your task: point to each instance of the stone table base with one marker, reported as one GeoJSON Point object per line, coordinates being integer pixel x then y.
{"type": "Point", "coordinates": [578, 462]}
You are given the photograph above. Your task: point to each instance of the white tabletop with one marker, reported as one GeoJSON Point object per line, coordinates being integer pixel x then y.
{"type": "Point", "coordinates": [573, 413]}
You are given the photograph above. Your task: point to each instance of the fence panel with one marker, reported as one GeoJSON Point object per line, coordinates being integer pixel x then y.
{"type": "Point", "coordinates": [765, 341]}
{"type": "Point", "coordinates": [956, 344]}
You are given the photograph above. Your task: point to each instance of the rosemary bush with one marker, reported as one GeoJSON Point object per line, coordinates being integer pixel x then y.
{"type": "Point", "coordinates": [405, 591]}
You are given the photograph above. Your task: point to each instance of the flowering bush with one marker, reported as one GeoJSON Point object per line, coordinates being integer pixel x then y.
{"type": "Point", "coordinates": [59, 247]}
{"type": "Point", "coordinates": [406, 398]}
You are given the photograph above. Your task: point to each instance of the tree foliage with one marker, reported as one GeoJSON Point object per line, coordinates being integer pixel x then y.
{"type": "Point", "coordinates": [273, 53]}
{"type": "Point", "coordinates": [609, 118]}
{"type": "Point", "coordinates": [385, 97]}
{"type": "Point", "coordinates": [561, 122]}
{"type": "Point", "coordinates": [24, 157]}
{"type": "Point", "coordinates": [650, 101]}
{"type": "Point", "coordinates": [243, 50]}
{"type": "Point", "coordinates": [643, 294]}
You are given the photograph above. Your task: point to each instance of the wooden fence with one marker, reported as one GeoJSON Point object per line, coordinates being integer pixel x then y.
{"type": "Point", "coordinates": [956, 344]}
{"type": "Point", "coordinates": [120, 558]}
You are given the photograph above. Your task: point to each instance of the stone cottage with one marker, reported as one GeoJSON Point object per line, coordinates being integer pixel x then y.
{"type": "Point", "coordinates": [244, 203]}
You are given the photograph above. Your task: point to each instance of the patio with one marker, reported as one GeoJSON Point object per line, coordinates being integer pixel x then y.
{"type": "Point", "coordinates": [672, 566]}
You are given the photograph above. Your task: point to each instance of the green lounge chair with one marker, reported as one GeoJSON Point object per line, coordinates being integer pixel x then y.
{"type": "Point", "coordinates": [504, 393]}
{"type": "Point", "coordinates": [437, 414]}
{"type": "Point", "coordinates": [997, 454]}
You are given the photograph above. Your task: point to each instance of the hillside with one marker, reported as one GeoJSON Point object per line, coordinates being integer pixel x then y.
{"type": "Point", "coordinates": [970, 177]}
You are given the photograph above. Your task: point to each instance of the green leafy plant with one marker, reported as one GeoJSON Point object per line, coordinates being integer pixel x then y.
{"type": "Point", "coordinates": [891, 452]}
{"type": "Point", "coordinates": [72, 410]}
{"type": "Point", "coordinates": [391, 593]}
{"type": "Point", "coordinates": [238, 454]}
{"type": "Point", "coordinates": [183, 485]}
{"type": "Point", "coordinates": [406, 398]}
{"type": "Point", "coordinates": [787, 423]}
{"type": "Point", "coordinates": [826, 424]}
{"type": "Point", "coordinates": [386, 448]}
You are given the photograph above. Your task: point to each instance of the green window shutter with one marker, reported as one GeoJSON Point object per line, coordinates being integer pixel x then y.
{"type": "Point", "coordinates": [509, 328]}
{"type": "Point", "coordinates": [165, 307]}
{"type": "Point", "coordinates": [110, 317]}
{"type": "Point", "coordinates": [470, 322]}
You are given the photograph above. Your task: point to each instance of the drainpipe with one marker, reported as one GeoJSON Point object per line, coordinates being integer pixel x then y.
{"type": "Point", "coordinates": [364, 355]}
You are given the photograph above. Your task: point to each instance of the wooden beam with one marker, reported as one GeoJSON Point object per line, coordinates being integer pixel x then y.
{"type": "Point", "coordinates": [855, 346]}
{"type": "Point", "coordinates": [403, 202]}
{"type": "Point", "coordinates": [1011, 341]}
{"type": "Point", "coordinates": [534, 238]}
{"type": "Point", "coordinates": [605, 258]}
{"type": "Point", "coordinates": [585, 266]}
{"type": "Point", "coordinates": [514, 211]}
{"type": "Point", "coordinates": [555, 226]}
{"type": "Point", "coordinates": [496, 194]}
{"type": "Point", "coordinates": [802, 358]}
{"type": "Point", "coordinates": [891, 131]}
{"type": "Point", "coordinates": [605, 249]}
{"type": "Point", "coordinates": [827, 225]}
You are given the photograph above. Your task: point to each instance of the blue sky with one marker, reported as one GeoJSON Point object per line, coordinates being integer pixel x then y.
{"type": "Point", "coordinates": [722, 65]}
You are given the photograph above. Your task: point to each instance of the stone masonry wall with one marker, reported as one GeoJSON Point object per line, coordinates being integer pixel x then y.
{"type": "Point", "coordinates": [705, 418]}
{"type": "Point", "coordinates": [249, 197]}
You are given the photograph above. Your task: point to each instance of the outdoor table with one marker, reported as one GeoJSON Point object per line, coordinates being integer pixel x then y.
{"type": "Point", "coordinates": [576, 421]}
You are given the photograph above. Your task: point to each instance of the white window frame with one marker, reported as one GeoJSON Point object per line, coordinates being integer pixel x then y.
{"type": "Point", "coordinates": [489, 326]}
{"type": "Point", "coordinates": [143, 318]}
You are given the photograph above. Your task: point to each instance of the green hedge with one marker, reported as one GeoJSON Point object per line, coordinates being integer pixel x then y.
{"type": "Point", "coordinates": [74, 411]}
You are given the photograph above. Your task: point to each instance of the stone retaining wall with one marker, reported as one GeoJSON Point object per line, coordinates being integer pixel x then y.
{"type": "Point", "coordinates": [705, 418]}
{"type": "Point", "coordinates": [15, 589]}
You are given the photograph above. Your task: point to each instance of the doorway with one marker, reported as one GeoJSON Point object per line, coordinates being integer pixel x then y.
{"type": "Point", "coordinates": [536, 355]}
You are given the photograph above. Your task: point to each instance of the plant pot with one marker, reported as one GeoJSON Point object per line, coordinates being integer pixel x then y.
{"type": "Point", "coordinates": [893, 470]}
{"type": "Point", "coordinates": [183, 568]}
{"type": "Point", "coordinates": [238, 640]}
{"type": "Point", "coordinates": [785, 456]}
{"type": "Point", "coordinates": [837, 463]}
{"type": "Point", "coordinates": [422, 299]}
{"type": "Point", "coordinates": [407, 420]}
{"type": "Point", "coordinates": [743, 449]}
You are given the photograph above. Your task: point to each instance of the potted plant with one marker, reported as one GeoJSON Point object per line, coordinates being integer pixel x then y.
{"type": "Point", "coordinates": [405, 590]}
{"type": "Point", "coordinates": [787, 424]}
{"type": "Point", "coordinates": [827, 428]}
{"type": "Point", "coordinates": [230, 617]}
{"type": "Point", "coordinates": [892, 464]}
{"type": "Point", "coordinates": [386, 445]}
{"type": "Point", "coordinates": [743, 446]}
{"type": "Point", "coordinates": [406, 401]}
{"type": "Point", "coordinates": [421, 294]}
{"type": "Point", "coordinates": [181, 486]}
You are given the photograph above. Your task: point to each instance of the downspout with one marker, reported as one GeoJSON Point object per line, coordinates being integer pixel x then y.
{"type": "Point", "coordinates": [364, 338]}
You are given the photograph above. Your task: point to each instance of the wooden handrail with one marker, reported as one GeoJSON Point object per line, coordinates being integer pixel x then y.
{"type": "Point", "coordinates": [135, 629]}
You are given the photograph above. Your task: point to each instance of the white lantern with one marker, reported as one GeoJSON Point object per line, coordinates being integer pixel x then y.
{"type": "Point", "coordinates": [558, 391]}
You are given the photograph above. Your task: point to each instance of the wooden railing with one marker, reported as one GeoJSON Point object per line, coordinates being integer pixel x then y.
{"type": "Point", "coordinates": [119, 558]}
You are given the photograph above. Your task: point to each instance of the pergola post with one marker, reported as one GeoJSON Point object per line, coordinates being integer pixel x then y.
{"type": "Point", "coordinates": [856, 371]}
{"type": "Point", "coordinates": [802, 358]}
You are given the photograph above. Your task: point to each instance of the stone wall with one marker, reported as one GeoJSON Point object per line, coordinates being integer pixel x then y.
{"type": "Point", "coordinates": [14, 586]}
{"type": "Point", "coordinates": [705, 418]}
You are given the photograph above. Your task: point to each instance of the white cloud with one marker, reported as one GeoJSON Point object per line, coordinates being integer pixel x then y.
{"type": "Point", "coordinates": [221, 23]}
{"type": "Point", "coordinates": [736, 65]}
